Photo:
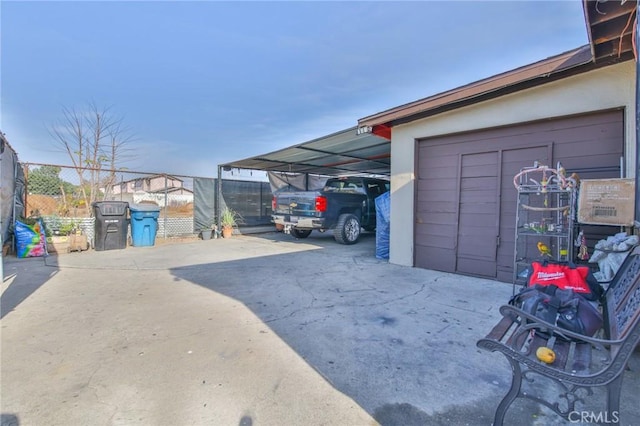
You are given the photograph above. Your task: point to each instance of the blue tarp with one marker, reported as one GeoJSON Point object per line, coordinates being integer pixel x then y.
{"type": "Point", "coordinates": [383, 210]}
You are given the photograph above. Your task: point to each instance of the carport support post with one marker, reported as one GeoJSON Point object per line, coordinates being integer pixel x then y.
{"type": "Point", "coordinates": [635, 53]}
{"type": "Point", "coordinates": [166, 205]}
{"type": "Point", "coordinates": [218, 195]}
{"type": "Point", "coordinates": [2, 242]}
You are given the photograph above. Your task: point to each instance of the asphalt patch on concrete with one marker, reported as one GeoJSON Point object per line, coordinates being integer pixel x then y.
{"type": "Point", "coordinates": [408, 415]}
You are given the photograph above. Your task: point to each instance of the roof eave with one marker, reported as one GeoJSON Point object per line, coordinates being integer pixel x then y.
{"type": "Point", "coordinates": [560, 66]}
{"type": "Point", "coordinates": [610, 27]}
{"type": "Point", "coordinates": [585, 10]}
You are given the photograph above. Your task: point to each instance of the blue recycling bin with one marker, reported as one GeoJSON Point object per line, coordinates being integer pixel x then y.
{"type": "Point", "coordinates": [144, 224]}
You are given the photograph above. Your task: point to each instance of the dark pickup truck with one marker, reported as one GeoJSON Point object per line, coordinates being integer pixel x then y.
{"type": "Point", "coordinates": [344, 205]}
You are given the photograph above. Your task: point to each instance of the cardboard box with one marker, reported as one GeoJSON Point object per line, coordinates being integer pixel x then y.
{"type": "Point", "coordinates": [606, 202]}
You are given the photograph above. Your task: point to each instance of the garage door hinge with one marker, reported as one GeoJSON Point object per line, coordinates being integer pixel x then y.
{"type": "Point", "coordinates": [498, 241]}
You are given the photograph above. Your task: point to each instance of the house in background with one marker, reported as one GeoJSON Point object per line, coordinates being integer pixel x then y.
{"type": "Point", "coordinates": [153, 183]}
{"type": "Point", "coordinates": [454, 155]}
{"type": "Point", "coordinates": [163, 190]}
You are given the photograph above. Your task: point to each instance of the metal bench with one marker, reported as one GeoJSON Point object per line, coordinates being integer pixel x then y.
{"type": "Point", "coordinates": [581, 363]}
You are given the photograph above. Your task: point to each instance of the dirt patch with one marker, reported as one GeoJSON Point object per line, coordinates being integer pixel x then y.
{"type": "Point", "coordinates": [185, 210]}
{"type": "Point", "coordinates": [38, 205]}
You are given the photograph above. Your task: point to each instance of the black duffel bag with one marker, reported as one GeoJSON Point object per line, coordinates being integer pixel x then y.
{"type": "Point", "coordinates": [563, 308]}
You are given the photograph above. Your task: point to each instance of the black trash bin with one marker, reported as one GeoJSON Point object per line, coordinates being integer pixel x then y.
{"type": "Point", "coordinates": [111, 225]}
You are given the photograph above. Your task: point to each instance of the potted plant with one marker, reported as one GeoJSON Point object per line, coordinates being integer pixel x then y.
{"type": "Point", "coordinates": [206, 233]}
{"type": "Point", "coordinates": [229, 219]}
{"type": "Point", "coordinates": [208, 230]}
{"type": "Point", "coordinates": [66, 235]}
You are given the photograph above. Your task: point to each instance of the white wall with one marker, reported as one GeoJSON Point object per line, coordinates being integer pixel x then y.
{"type": "Point", "coordinates": [606, 88]}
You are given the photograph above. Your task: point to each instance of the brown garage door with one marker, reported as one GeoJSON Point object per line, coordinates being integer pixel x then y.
{"type": "Point", "coordinates": [465, 199]}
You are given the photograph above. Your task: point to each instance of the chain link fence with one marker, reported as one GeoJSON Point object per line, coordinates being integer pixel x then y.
{"type": "Point", "coordinates": [64, 198]}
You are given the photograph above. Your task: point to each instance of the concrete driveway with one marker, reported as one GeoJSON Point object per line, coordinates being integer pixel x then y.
{"type": "Point", "coordinates": [254, 330]}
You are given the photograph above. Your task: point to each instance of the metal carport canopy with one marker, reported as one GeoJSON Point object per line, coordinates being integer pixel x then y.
{"type": "Point", "coordinates": [342, 153]}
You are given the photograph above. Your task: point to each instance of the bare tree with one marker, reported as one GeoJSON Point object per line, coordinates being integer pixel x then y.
{"type": "Point", "coordinates": [95, 141]}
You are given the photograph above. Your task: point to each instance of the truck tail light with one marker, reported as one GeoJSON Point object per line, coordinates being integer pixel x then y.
{"type": "Point", "coordinates": [321, 203]}
{"type": "Point", "coordinates": [273, 204]}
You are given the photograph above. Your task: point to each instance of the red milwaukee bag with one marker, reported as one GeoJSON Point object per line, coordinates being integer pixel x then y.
{"type": "Point", "coordinates": [566, 276]}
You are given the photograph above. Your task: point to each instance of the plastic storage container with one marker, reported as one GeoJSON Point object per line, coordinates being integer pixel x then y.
{"type": "Point", "coordinates": [144, 224]}
{"type": "Point", "coordinates": [111, 225]}
{"type": "Point", "coordinates": [383, 225]}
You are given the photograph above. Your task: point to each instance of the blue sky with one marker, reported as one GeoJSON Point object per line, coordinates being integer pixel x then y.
{"type": "Point", "coordinates": [203, 83]}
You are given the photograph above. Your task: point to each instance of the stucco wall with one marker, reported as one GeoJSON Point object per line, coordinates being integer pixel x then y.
{"type": "Point", "coordinates": [606, 88]}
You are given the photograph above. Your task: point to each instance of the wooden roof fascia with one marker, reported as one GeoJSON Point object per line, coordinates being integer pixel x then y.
{"type": "Point", "coordinates": [518, 87]}
{"type": "Point", "coordinates": [587, 20]}
{"type": "Point", "coordinates": [561, 66]}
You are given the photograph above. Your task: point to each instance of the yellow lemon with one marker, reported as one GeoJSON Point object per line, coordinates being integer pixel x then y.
{"type": "Point", "coordinates": [546, 355]}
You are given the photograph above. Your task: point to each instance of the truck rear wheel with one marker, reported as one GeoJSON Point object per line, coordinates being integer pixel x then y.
{"type": "Point", "coordinates": [300, 233]}
{"type": "Point", "coordinates": [347, 230]}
